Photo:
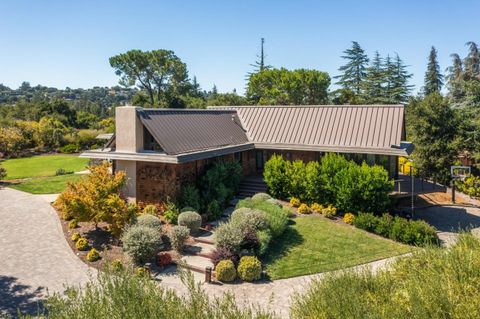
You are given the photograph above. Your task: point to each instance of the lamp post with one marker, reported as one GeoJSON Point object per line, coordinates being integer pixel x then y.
{"type": "Point", "coordinates": [412, 177]}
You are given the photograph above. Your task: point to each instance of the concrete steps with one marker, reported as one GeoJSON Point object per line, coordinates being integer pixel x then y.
{"type": "Point", "coordinates": [250, 186]}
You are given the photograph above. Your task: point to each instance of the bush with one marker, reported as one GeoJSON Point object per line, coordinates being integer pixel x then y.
{"type": "Point", "coordinates": [264, 239]}
{"type": "Point", "coordinates": [69, 148]}
{"type": "Point", "coordinates": [329, 211]}
{"type": "Point", "coordinates": [275, 176]}
{"type": "Point", "coordinates": [75, 236]}
{"type": "Point", "coordinates": [72, 224]}
{"type": "Point", "coordinates": [225, 271]}
{"type": "Point", "coordinates": [150, 221]}
{"type": "Point", "coordinates": [317, 208]}
{"type": "Point", "coordinates": [296, 176]}
{"type": "Point", "coordinates": [274, 202]}
{"type": "Point", "coordinates": [253, 218]}
{"type": "Point", "coordinates": [93, 255]}
{"type": "Point", "coordinates": [295, 202]}
{"type": "Point", "coordinates": [221, 253]}
{"type": "Point", "coordinates": [141, 243]}
{"type": "Point", "coordinates": [261, 196]}
{"type": "Point", "coordinates": [191, 220]}
{"type": "Point", "coordinates": [171, 212]}
{"type": "Point", "coordinates": [82, 244]}
{"type": "Point", "coordinates": [164, 259]}
{"type": "Point", "coordinates": [229, 236]}
{"type": "Point", "coordinates": [277, 216]}
{"type": "Point", "coordinates": [384, 225]}
{"type": "Point", "coordinates": [187, 209]}
{"type": "Point", "coordinates": [348, 218]}
{"type": "Point", "coordinates": [249, 268]}
{"type": "Point", "coordinates": [117, 266]}
{"type": "Point", "coordinates": [304, 209]}
{"type": "Point", "coordinates": [178, 236]}
{"type": "Point", "coordinates": [150, 210]}
{"type": "Point", "coordinates": [366, 221]}
{"type": "Point", "coordinates": [214, 210]}
{"type": "Point", "coordinates": [3, 173]}
{"type": "Point", "coordinates": [62, 171]}
{"type": "Point", "coordinates": [190, 197]}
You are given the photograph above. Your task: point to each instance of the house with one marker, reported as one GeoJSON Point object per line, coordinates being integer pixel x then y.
{"type": "Point", "coordinates": [163, 149]}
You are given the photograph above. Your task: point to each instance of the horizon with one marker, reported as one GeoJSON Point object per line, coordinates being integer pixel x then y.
{"type": "Point", "coordinates": [68, 45]}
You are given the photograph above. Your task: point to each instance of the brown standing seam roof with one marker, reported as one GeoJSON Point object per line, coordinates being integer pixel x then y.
{"type": "Point", "coordinates": [184, 131]}
{"type": "Point", "coordinates": [359, 126]}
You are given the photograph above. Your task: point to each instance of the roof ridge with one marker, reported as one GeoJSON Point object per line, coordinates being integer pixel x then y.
{"type": "Point", "coordinates": [302, 106]}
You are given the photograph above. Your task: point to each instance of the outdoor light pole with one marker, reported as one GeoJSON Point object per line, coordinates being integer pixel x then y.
{"type": "Point", "coordinates": [412, 177]}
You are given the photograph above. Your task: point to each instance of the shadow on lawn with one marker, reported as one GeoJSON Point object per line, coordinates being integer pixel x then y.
{"type": "Point", "coordinates": [16, 297]}
{"type": "Point", "coordinates": [280, 246]}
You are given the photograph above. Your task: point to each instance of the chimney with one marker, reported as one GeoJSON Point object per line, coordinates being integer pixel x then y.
{"type": "Point", "coordinates": [128, 129]}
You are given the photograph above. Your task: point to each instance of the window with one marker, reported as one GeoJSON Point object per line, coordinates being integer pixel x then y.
{"type": "Point", "coordinates": [149, 142]}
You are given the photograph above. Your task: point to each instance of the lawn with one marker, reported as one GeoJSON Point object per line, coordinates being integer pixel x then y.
{"type": "Point", "coordinates": [46, 185]}
{"type": "Point", "coordinates": [43, 165]}
{"type": "Point", "coordinates": [314, 244]}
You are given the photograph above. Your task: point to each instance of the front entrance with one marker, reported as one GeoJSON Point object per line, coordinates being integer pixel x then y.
{"type": "Point", "coordinates": [259, 160]}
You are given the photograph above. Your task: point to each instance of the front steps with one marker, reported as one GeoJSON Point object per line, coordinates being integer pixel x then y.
{"type": "Point", "coordinates": [250, 186]}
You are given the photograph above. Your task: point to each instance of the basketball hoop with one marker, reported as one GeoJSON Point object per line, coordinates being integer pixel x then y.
{"type": "Point", "coordinates": [459, 172]}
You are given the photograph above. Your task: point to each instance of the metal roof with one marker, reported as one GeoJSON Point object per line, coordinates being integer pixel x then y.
{"type": "Point", "coordinates": [184, 131]}
{"type": "Point", "coordinates": [367, 128]}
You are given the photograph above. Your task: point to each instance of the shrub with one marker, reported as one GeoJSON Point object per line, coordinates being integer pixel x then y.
{"type": "Point", "coordinates": [141, 243]}
{"type": "Point", "coordinates": [296, 176]}
{"type": "Point", "coordinates": [72, 224]}
{"type": "Point", "coordinates": [348, 218]}
{"type": "Point", "coordinates": [261, 196]}
{"type": "Point", "coordinates": [229, 236]}
{"type": "Point", "coordinates": [275, 177]}
{"type": "Point", "coordinates": [191, 220]}
{"type": "Point", "coordinates": [149, 221]}
{"type": "Point", "coordinates": [277, 216]}
{"type": "Point", "coordinates": [253, 218]}
{"type": "Point", "coordinates": [221, 253]}
{"type": "Point", "coordinates": [264, 239]}
{"type": "Point", "coordinates": [117, 265]}
{"type": "Point", "coordinates": [225, 271]}
{"type": "Point", "coordinates": [171, 212]}
{"type": "Point", "coordinates": [82, 244]}
{"type": "Point", "coordinates": [178, 236]}
{"type": "Point", "coordinates": [317, 208]}
{"type": "Point", "coordinates": [62, 171]}
{"type": "Point", "coordinates": [214, 210]}
{"type": "Point", "coordinates": [69, 148]}
{"type": "Point", "coordinates": [164, 259]}
{"type": "Point", "coordinates": [329, 211]}
{"type": "Point", "coordinates": [274, 202]}
{"type": "Point", "coordinates": [190, 197]}
{"type": "Point", "coordinates": [3, 173]}
{"type": "Point", "coordinates": [384, 225]}
{"type": "Point", "coordinates": [150, 210]}
{"type": "Point", "coordinates": [304, 209]}
{"type": "Point", "coordinates": [220, 183]}
{"type": "Point", "coordinates": [93, 255]}
{"type": "Point", "coordinates": [313, 182]}
{"type": "Point", "coordinates": [295, 202]}
{"type": "Point", "coordinates": [75, 236]}
{"type": "Point", "coordinates": [249, 268]}
{"type": "Point", "coordinates": [366, 221]}
{"type": "Point", "coordinates": [187, 209]}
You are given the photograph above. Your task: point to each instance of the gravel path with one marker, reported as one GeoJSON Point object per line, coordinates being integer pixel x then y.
{"type": "Point", "coordinates": [35, 259]}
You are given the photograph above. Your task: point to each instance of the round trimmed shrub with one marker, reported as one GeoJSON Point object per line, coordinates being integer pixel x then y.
{"type": "Point", "coordinates": [274, 202]}
{"type": "Point", "coordinates": [295, 202]}
{"type": "Point", "coordinates": [164, 259]}
{"type": "Point", "coordinates": [329, 211]}
{"type": "Point", "coordinates": [178, 236]}
{"type": "Point", "coordinates": [229, 236]}
{"type": "Point", "coordinates": [348, 218]}
{"type": "Point", "coordinates": [220, 254]}
{"type": "Point", "coordinates": [187, 209]}
{"type": "Point", "coordinates": [225, 271]}
{"type": "Point", "coordinates": [82, 244]}
{"type": "Point", "coordinates": [264, 238]}
{"type": "Point", "coordinates": [117, 265]}
{"type": "Point", "coordinates": [214, 210]}
{"type": "Point", "coordinates": [151, 210]}
{"type": "Point", "coordinates": [249, 268]}
{"type": "Point", "coordinates": [72, 224]}
{"type": "Point", "coordinates": [75, 236]}
{"type": "Point", "coordinates": [191, 220]}
{"type": "Point", "coordinates": [254, 218]}
{"type": "Point", "coordinates": [141, 243]}
{"type": "Point", "coordinates": [93, 255]}
{"type": "Point", "coordinates": [149, 221]}
{"type": "Point", "coordinates": [304, 209]}
{"type": "Point", "coordinates": [317, 208]}
{"type": "Point", "coordinates": [261, 196]}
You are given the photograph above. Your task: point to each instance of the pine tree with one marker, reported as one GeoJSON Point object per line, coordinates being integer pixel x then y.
{"type": "Point", "coordinates": [400, 87]}
{"type": "Point", "coordinates": [389, 73]}
{"type": "Point", "coordinates": [455, 78]}
{"type": "Point", "coordinates": [472, 62]}
{"type": "Point", "coordinates": [259, 65]}
{"type": "Point", "coordinates": [433, 77]}
{"type": "Point", "coordinates": [354, 72]}
{"type": "Point", "coordinates": [372, 87]}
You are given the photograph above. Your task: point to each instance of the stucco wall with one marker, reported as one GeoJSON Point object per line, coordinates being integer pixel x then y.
{"type": "Point", "coordinates": [130, 167]}
{"type": "Point", "coordinates": [129, 130]}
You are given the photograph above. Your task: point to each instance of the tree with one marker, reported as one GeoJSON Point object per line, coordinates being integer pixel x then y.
{"type": "Point", "coordinates": [400, 89]}
{"type": "Point", "coordinates": [433, 77]}
{"type": "Point", "coordinates": [220, 99]}
{"type": "Point", "coordinates": [373, 91]}
{"type": "Point", "coordinates": [432, 128]}
{"type": "Point", "coordinates": [51, 132]}
{"type": "Point", "coordinates": [472, 62]}
{"type": "Point", "coordinates": [259, 65]}
{"type": "Point", "coordinates": [354, 72]}
{"type": "Point", "coordinates": [285, 87]}
{"type": "Point", "coordinates": [455, 78]}
{"type": "Point", "coordinates": [160, 72]}
{"type": "Point", "coordinates": [11, 141]}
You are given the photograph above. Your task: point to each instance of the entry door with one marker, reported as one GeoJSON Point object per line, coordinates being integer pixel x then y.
{"type": "Point", "coordinates": [259, 161]}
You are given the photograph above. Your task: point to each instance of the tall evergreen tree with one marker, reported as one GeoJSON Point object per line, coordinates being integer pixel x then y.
{"type": "Point", "coordinates": [400, 87]}
{"type": "Point", "coordinates": [433, 77]}
{"type": "Point", "coordinates": [354, 72]}
{"type": "Point", "coordinates": [373, 84]}
{"type": "Point", "coordinates": [259, 65]}
{"type": "Point", "coordinates": [455, 78]}
{"type": "Point", "coordinates": [472, 61]}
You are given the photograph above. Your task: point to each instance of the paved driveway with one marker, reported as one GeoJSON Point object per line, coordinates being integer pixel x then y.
{"type": "Point", "coordinates": [35, 259]}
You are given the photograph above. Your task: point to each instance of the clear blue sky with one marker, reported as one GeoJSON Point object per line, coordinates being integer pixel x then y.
{"type": "Point", "coordinates": [68, 43]}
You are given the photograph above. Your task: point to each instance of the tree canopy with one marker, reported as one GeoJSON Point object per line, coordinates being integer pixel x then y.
{"type": "Point", "coordinates": [433, 77]}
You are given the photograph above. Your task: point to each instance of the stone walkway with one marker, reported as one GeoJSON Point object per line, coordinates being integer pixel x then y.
{"type": "Point", "coordinates": [35, 259]}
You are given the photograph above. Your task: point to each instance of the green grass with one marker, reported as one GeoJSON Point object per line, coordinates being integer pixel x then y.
{"type": "Point", "coordinates": [41, 166]}
{"type": "Point", "coordinates": [314, 244]}
{"type": "Point", "coordinates": [46, 185]}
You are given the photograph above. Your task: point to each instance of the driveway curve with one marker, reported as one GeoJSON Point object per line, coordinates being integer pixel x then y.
{"type": "Point", "coordinates": [35, 259]}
